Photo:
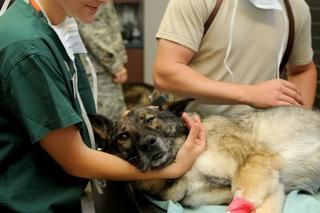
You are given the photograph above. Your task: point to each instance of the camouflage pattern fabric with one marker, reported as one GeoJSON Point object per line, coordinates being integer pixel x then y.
{"type": "Point", "coordinates": [110, 96]}
{"type": "Point", "coordinates": [107, 52]}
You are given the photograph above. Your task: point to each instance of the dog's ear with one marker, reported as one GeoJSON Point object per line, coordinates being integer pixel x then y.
{"type": "Point", "coordinates": [101, 128]}
{"type": "Point", "coordinates": [159, 98]}
{"type": "Point", "coordinates": [177, 107]}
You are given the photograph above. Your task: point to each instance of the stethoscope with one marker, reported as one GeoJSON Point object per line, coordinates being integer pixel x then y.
{"type": "Point", "coordinates": [275, 5]}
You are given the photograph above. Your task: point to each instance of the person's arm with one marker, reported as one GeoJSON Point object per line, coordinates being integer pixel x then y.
{"type": "Point", "coordinates": [172, 74]}
{"type": "Point", "coordinates": [66, 147]}
{"type": "Point", "coordinates": [305, 78]}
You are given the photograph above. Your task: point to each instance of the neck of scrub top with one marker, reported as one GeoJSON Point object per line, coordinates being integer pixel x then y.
{"type": "Point", "coordinates": [38, 7]}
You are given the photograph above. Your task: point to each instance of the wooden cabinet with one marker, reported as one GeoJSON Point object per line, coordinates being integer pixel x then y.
{"type": "Point", "coordinates": [130, 13]}
{"type": "Point", "coordinates": [135, 65]}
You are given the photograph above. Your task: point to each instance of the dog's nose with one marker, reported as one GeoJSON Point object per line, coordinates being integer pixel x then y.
{"type": "Point", "coordinates": [147, 143]}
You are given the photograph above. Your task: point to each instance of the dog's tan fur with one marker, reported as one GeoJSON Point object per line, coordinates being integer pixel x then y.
{"type": "Point", "coordinates": [258, 156]}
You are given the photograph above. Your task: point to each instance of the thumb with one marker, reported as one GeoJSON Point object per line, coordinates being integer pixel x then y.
{"type": "Point", "coordinates": [193, 133]}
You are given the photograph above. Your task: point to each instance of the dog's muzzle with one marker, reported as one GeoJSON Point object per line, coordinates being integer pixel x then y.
{"type": "Point", "coordinates": [152, 153]}
{"type": "Point", "coordinates": [149, 146]}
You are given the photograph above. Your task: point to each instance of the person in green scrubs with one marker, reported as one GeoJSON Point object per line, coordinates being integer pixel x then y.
{"type": "Point", "coordinates": [45, 154]}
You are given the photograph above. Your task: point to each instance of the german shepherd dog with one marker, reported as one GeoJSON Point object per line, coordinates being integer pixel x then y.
{"type": "Point", "coordinates": [258, 156]}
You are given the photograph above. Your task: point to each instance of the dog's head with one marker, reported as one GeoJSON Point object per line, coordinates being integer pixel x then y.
{"type": "Point", "coordinates": [149, 137]}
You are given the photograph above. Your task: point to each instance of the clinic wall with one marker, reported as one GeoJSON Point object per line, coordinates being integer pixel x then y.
{"type": "Point", "coordinates": [315, 15]}
{"type": "Point", "coordinates": [153, 12]}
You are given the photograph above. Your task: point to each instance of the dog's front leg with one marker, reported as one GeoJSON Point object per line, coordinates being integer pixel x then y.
{"type": "Point", "coordinates": [257, 180]}
{"type": "Point", "coordinates": [176, 191]}
{"type": "Point", "coordinates": [274, 202]}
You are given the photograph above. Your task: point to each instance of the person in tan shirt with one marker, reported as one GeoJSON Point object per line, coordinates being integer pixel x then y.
{"type": "Point", "coordinates": [234, 67]}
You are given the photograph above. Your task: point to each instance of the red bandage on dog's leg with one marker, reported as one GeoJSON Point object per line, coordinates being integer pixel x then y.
{"type": "Point", "coordinates": [240, 205]}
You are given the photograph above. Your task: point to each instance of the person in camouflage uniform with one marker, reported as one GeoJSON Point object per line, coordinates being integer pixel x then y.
{"type": "Point", "coordinates": [107, 52]}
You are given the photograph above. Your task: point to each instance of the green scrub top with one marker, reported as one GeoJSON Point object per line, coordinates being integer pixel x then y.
{"type": "Point", "coordinates": [36, 97]}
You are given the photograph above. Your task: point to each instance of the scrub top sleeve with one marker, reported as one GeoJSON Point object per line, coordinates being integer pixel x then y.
{"type": "Point", "coordinates": [39, 95]}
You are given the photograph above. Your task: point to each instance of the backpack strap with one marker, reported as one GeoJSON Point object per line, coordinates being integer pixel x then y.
{"type": "Point", "coordinates": [290, 42]}
{"type": "Point", "coordinates": [212, 16]}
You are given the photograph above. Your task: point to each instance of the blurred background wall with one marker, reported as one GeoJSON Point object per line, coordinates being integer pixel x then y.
{"type": "Point", "coordinates": [315, 14]}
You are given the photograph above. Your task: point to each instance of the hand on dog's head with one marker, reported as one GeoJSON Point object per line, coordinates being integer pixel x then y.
{"type": "Point", "coordinates": [148, 137]}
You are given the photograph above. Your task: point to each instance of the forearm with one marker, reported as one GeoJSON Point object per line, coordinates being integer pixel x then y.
{"type": "Point", "coordinates": [305, 79]}
{"type": "Point", "coordinates": [94, 164]}
{"type": "Point", "coordinates": [66, 147]}
{"type": "Point", "coordinates": [182, 80]}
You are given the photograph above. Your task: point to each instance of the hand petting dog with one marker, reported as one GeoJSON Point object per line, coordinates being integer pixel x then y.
{"type": "Point", "coordinates": [192, 148]}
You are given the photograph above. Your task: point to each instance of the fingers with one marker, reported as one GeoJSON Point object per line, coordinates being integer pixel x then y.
{"type": "Point", "coordinates": [190, 123]}
{"type": "Point", "coordinates": [292, 95]}
{"type": "Point", "coordinates": [121, 76]}
{"type": "Point", "coordinates": [194, 127]}
{"type": "Point", "coordinates": [194, 132]}
{"type": "Point", "coordinates": [201, 133]}
{"type": "Point", "coordinates": [283, 103]}
{"type": "Point", "coordinates": [197, 132]}
{"type": "Point", "coordinates": [187, 120]}
{"type": "Point", "coordinates": [275, 92]}
{"type": "Point", "coordinates": [288, 100]}
{"type": "Point", "coordinates": [289, 85]}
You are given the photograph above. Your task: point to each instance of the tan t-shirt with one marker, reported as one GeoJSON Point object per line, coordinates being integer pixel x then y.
{"type": "Point", "coordinates": [257, 38]}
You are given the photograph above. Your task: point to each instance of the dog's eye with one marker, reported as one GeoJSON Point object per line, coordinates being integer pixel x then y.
{"type": "Point", "coordinates": [148, 121]}
{"type": "Point", "coordinates": [123, 136]}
